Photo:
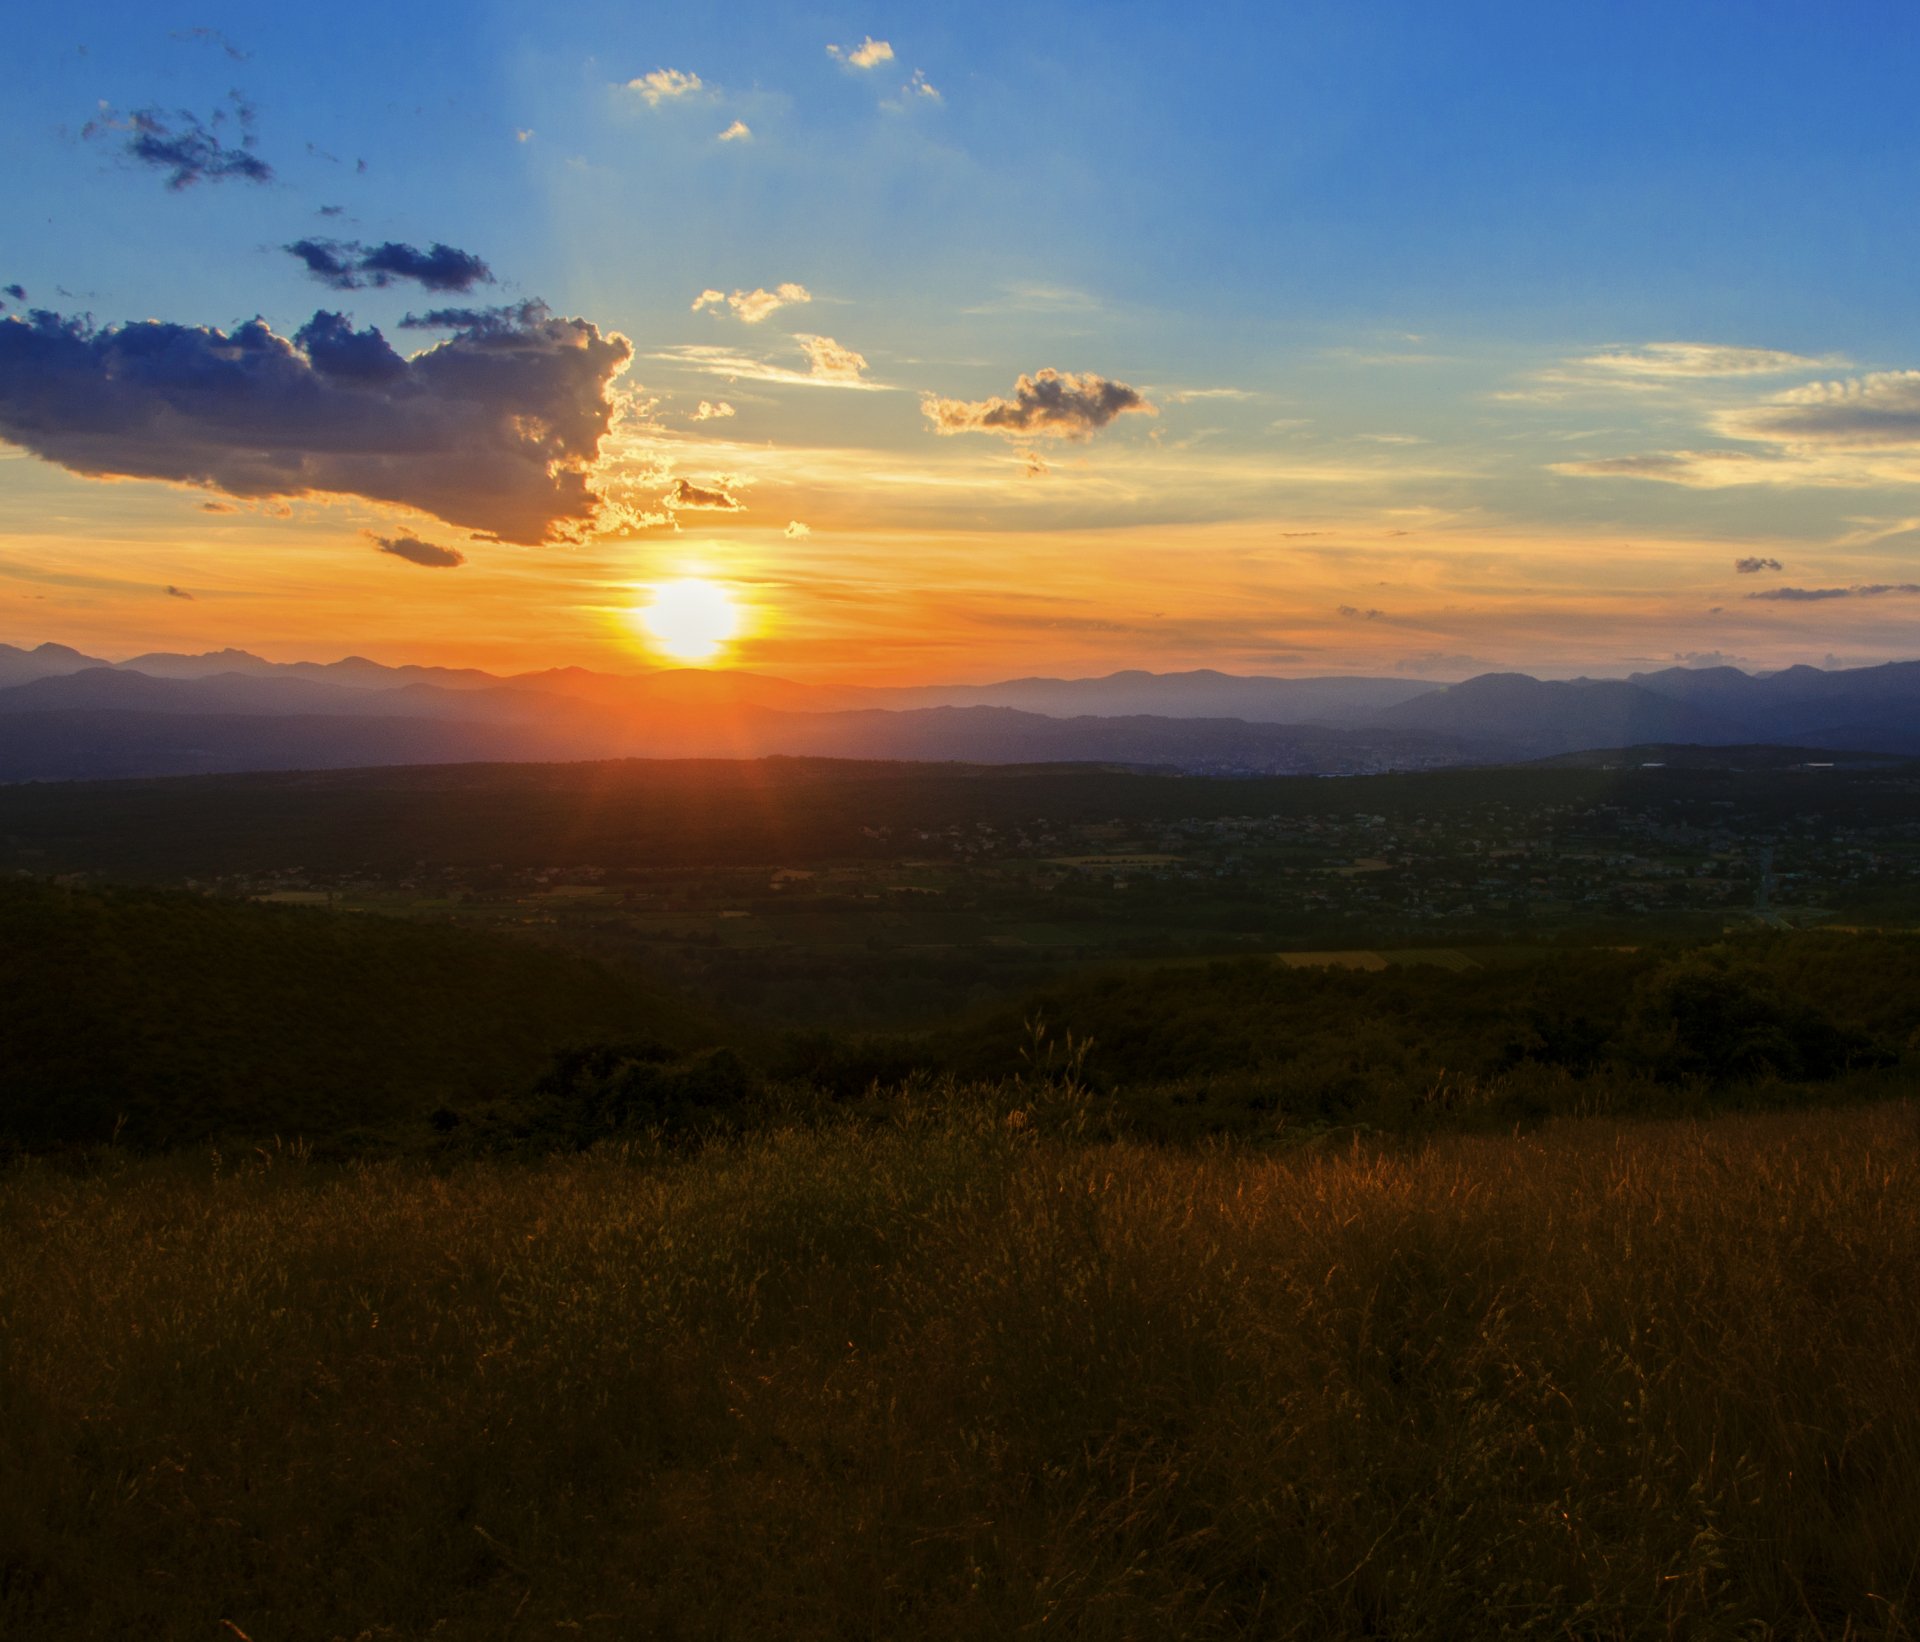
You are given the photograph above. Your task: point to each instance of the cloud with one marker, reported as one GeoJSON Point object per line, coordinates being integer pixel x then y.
{"type": "Point", "coordinates": [795, 529]}
{"type": "Point", "coordinates": [1697, 359]}
{"type": "Point", "coordinates": [869, 53]}
{"type": "Point", "coordinates": [347, 265]}
{"type": "Point", "coordinates": [1753, 566]}
{"type": "Point", "coordinates": [921, 86]}
{"type": "Point", "coordinates": [665, 85]}
{"type": "Point", "coordinates": [512, 316]}
{"type": "Point", "coordinates": [1700, 469]}
{"type": "Point", "coordinates": [1057, 404]}
{"type": "Point", "coordinates": [1870, 412]}
{"type": "Point", "coordinates": [218, 507]}
{"type": "Point", "coordinates": [688, 495]}
{"type": "Point", "coordinates": [828, 359]}
{"type": "Point", "coordinates": [523, 134]}
{"type": "Point", "coordinates": [1187, 396]}
{"type": "Point", "coordinates": [754, 306]}
{"type": "Point", "coordinates": [832, 365]}
{"type": "Point", "coordinates": [1706, 658]}
{"type": "Point", "coordinates": [712, 410]}
{"type": "Point", "coordinates": [1842, 434]}
{"type": "Point", "coordinates": [178, 593]}
{"type": "Point", "coordinates": [738, 132]}
{"type": "Point", "coordinates": [211, 37]}
{"type": "Point", "coordinates": [496, 429]}
{"type": "Point", "coordinates": [17, 292]}
{"type": "Point", "coordinates": [1354, 613]}
{"type": "Point", "coordinates": [1032, 465]}
{"type": "Point", "coordinates": [180, 145]}
{"type": "Point", "coordinates": [415, 551]}
{"type": "Point", "coordinates": [1817, 595]}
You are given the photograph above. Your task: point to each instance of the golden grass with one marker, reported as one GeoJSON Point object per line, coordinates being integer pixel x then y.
{"type": "Point", "coordinates": [950, 1379]}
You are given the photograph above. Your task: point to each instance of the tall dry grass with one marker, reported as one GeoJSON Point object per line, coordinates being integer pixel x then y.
{"type": "Point", "coordinates": [954, 1380]}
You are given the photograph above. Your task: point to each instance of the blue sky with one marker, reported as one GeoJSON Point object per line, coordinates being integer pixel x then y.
{"type": "Point", "coordinates": [1520, 323]}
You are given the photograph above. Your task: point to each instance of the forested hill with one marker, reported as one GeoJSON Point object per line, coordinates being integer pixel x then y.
{"type": "Point", "coordinates": [174, 1017]}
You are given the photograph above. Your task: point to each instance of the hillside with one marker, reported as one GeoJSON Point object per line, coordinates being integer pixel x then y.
{"type": "Point", "coordinates": [169, 1017]}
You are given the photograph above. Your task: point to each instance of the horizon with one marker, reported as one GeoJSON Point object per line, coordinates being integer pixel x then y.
{"type": "Point", "coordinates": [645, 669]}
{"type": "Point", "coordinates": [895, 349]}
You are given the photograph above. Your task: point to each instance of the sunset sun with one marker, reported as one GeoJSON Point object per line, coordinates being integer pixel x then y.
{"type": "Point", "coordinates": [691, 620]}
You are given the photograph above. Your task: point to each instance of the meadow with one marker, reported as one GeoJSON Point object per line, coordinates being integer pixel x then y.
{"type": "Point", "coordinates": [971, 1373]}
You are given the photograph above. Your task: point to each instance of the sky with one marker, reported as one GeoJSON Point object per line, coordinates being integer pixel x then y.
{"type": "Point", "coordinates": [961, 343]}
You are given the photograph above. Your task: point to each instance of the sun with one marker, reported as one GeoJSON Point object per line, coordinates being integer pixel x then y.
{"type": "Point", "coordinates": [691, 619]}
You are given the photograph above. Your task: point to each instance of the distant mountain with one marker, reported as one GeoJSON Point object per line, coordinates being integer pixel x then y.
{"type": "Point", "coordinates": [272, 694]}
{"type": "Point", "coordinates": [44, 661]}
{"type": "Point", "coordinates": [65, 714]}
{"type": "Point", "coordinates": [1203, 694]}
{"type": "Point", "coordinates": [1859, 708]}
{"type": "Point", "coordinates": [1537, 717]}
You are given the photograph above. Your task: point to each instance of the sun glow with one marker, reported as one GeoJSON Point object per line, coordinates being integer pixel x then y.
{"type": "Point", "coordinates": [690, 620]}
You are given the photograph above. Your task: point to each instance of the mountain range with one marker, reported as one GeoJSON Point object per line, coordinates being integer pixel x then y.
{"type": "Point", "coordinates": [67, 715]}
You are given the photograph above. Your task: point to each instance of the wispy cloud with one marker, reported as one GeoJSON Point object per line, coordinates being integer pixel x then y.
{"type": "Point", "coordinates": [1867, 413]}
{"type": "Point", "coordinates": [738, 132]}
{"type": "Point", "coordinates": [1818, 595]}
{"type": "Point", "coordinates": [1685, 360]}
{"type": "Point", "coordinates": [832, 365]}
{"type": "Point", "coordinates": [1857, 433]}
{"type": "Point", "coordinates": [179, 144]}
{"type": "Point", "coordinates": [1188, 396]}
{"type": "Point", "coordinates": [712, 410]}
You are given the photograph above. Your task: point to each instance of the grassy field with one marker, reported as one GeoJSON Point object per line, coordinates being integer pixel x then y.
{"type": "Point", "coordinates": [965, 1375]}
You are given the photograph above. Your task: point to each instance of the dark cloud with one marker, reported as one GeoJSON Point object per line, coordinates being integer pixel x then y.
{"type": "Point", "coordinates": [178, 592]}
{"type": "Point", "coordinates": [495, 430]}
{"type": "Point", "coordinates": [347, 265]}
{"type": "Point", "coordinates": [685, 494]}
{"type": "Point", "coordinates": [17, 292]}
{"type": "Point", "coordinates": [1059, 404]}
{"type": "Point", "coordinates": [180, 145]}
{"type": "Point", "coordinates": [1816, 595]}
{"type": "Point", "coordinates": [513, 316]}
{"type": "Point", "coordinates": [331, 210]}
{"type": "Point", "coordinates": [415, 551]}
{"type": "Point", "coordinates": [1353, 612]}
{"type": "Point", "coordinates": [1753, 566]}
